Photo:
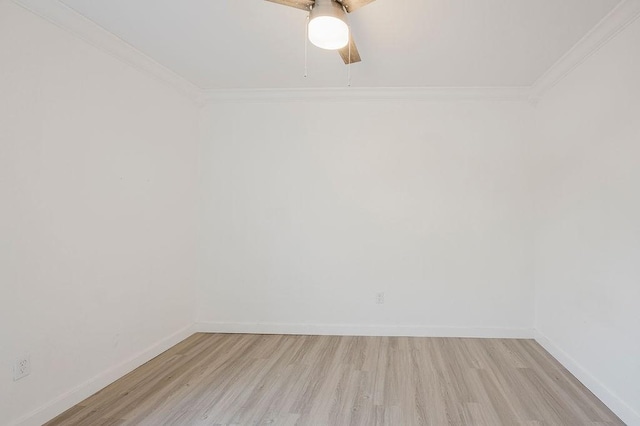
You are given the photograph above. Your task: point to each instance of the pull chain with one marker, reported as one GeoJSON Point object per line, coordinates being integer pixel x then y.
{"type": "Point", "coordinates": [349, 64]}
{"type": "Point", "coordinates": [306, 47]}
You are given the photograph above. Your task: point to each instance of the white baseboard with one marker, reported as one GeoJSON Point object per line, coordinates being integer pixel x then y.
{"type": "Point", "coordinates": [362, 330]}
{"type": "Point", "coordinates": [73, 396]}
{"type": "Point", "coordinates": [610, 399]}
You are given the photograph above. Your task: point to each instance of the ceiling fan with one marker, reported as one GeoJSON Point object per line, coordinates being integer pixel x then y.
{"type": "Point", "coordinates": [328, 28]}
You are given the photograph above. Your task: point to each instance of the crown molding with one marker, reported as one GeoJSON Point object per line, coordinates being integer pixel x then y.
{"type": "Point", "coordinates": [370, 94]}
{"type": "Point", "coordinates": [73, 22]}
{"type": "Point", "coordinates": [611, 25]}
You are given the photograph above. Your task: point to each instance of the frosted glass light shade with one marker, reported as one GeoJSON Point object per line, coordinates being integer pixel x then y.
{"type": "Point", "coordinates": [328, 27]}
{"type": "Point", "coordinates": [328, 32]}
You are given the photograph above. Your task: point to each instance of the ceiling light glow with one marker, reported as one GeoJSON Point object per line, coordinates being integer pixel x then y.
{"type": "Point", "coordinates": [328, 28]}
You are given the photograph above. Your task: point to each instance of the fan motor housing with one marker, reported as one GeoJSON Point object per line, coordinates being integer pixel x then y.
{"type": "Point", "coordinates": [328, 8]}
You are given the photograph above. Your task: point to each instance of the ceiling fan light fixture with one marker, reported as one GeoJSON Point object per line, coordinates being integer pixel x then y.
{"type": "Point", "coordinates": [328, 27]}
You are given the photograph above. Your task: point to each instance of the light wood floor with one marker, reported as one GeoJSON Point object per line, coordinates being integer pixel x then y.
{"type": "Point", "coordinates": [227, 379]}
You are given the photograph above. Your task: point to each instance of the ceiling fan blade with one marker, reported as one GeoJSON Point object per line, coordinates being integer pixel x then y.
{"type": "Point", "coordinates": [298, 4]}
{"type": "Point", "coordinates": [349, 53]}
{"type": "Point", "coordinates": [351, 5]}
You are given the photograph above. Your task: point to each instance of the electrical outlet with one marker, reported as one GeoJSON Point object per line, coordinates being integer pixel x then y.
{"type": "Point", "coordinates": [380, 298]}
{"type": "Point", "coordinates": [21, 368]}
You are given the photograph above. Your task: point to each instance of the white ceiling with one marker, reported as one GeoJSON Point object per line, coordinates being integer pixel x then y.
{"type": "Point", "coordinates": [226, 44]}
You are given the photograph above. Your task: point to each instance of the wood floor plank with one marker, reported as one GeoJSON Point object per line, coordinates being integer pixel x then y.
{"type": "Point", "coordinates": [227, 379]}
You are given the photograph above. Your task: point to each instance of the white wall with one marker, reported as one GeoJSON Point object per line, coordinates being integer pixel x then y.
{"type": "Point", "coordinates": [97, 212]}
{"type": "Point", "coordinates": [588, 245]}
{"type": "Point", "coordinates": [311, 207]}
